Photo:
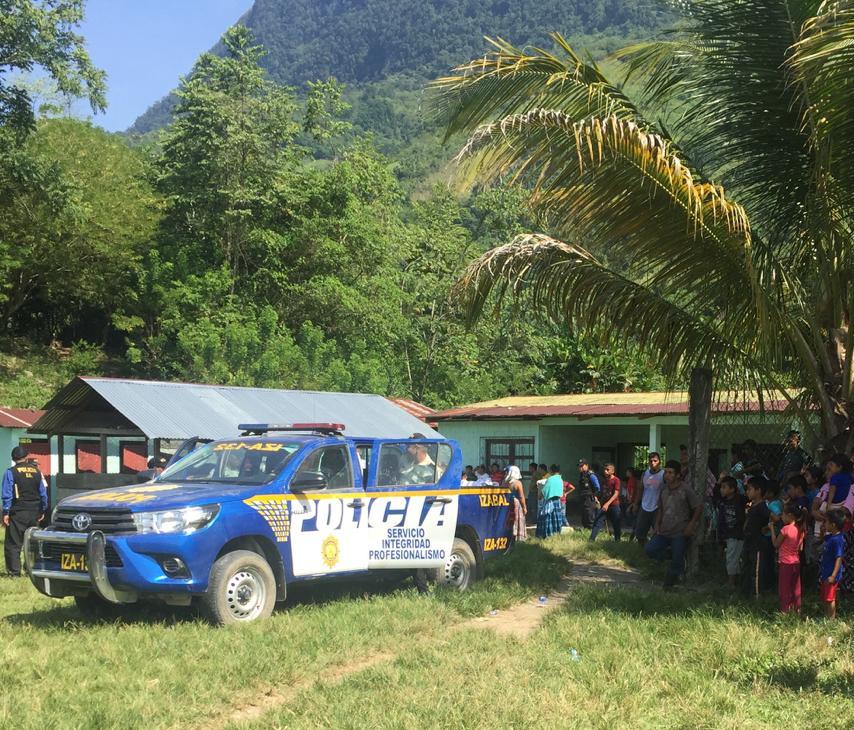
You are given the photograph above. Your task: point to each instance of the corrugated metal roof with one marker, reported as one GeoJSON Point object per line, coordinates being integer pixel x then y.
{"type": "Point", "coordinates": [19, 417]}
{"type": "Point", "coordinates": [183, 410]}
{"type": "Point", "coordinates": [603, 404]}
{"type": "Point", "coordinates": [419, 410]}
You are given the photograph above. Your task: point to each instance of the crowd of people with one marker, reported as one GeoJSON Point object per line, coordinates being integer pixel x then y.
{"type": "Point", "coordinates": [775, 531]}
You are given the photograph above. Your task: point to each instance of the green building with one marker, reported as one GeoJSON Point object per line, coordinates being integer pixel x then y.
{"type": "Point", "coordinates": [607, 427]}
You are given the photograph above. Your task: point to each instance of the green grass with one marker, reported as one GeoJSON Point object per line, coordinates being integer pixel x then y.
{"type": "Point", "coordinates": [648, 659]}
{"type": "Point", "coordinates": [160, 668]}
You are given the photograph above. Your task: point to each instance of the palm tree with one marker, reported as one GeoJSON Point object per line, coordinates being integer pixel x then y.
{"type": "Point", "coordinates": [720, 170]}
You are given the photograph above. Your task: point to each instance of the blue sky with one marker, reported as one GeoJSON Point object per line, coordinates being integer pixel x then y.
{"type": "Point", "coordinates": [146, 45]}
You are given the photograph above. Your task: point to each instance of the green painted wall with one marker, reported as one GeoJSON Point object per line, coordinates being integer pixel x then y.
{"type": "Point", "coordinates": [565, 440]}
{"type": "Point", "coordinates": [471, 435]}
{"type": "Point", "coordinates": [567, 444]}
{"type": "Point", "coordinates": [8, 441]}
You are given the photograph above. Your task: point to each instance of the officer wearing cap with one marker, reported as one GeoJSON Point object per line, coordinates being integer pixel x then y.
{"type": "Point", "coordinates": [24, 504]}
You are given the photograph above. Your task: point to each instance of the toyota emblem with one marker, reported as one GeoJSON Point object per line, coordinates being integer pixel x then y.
{"type": "Point", "coordinates": [81, 522]}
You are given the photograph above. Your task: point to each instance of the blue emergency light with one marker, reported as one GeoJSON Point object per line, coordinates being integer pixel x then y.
{"type": "Point", "coordinates": [256, 429]}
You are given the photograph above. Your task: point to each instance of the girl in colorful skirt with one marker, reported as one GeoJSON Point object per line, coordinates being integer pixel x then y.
{"type": "Point", "coordinates": [551, 518]}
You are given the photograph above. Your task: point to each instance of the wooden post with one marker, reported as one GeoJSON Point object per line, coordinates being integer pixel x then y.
{"type": "Point", "coordinates": [103, 450]}
{"type": "Point", "coordinates": [700, 427]}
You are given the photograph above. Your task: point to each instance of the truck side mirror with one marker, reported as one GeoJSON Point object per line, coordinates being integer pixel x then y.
{"type": "Point", "coordinates": [306, 481]}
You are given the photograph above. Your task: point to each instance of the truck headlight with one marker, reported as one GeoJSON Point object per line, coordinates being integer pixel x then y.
{"type": "Point", "coordinates": [173, 521]}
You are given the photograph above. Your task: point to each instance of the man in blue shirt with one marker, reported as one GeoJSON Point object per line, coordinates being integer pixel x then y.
{"type": "Point", "coordinates": [24, 494]}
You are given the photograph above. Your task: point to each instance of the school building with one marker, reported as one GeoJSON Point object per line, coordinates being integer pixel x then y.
{"type": "Point", "coordinates": [607, 427]}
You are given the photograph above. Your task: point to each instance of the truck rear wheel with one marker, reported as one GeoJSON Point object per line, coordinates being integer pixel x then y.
{"type": "Point", "coordinates": [460, 568]}
{"type": "Point", "coordinates": [241, 589]}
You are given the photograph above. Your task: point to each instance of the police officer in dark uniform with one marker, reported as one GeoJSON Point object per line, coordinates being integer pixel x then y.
{"type": "Point", "coordinates": [588, 492]}
{"type": "Point", "coordinates": [24, 504]}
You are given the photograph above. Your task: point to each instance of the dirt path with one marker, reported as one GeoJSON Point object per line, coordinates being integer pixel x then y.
{"type": "Point", "coordinates": [520, 620]}
{"type": "Point", "coordinates": [276, 697]}
{"type": "Point", "coordinates": [524, 618]}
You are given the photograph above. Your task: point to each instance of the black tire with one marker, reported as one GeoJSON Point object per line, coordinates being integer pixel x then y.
{"type": "Point", "coordinates": [95, 607]}
{"type": "Point", "coordinates": [460, 569]}
{"type": "Point", "coordinates": [241, 589]}
{"type": "Point", "coordinates": [422, 581]}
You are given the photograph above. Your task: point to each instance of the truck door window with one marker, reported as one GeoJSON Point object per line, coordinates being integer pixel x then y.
{"type": "Point", "coordinates": [363, 452]}
{"type": "Point", "coordinates": [443, 460]}
{"type": "Point", "coordinates": [407, 463]}
{"type": "Point", "coordinates": [334, 463]}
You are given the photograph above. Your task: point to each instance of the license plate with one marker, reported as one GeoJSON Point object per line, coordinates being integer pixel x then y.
{"type": "Point", "coordinates": [73, 561]}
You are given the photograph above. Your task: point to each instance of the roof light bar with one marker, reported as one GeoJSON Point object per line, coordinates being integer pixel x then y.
{"type": "Point", "coordinates": [250, 429]}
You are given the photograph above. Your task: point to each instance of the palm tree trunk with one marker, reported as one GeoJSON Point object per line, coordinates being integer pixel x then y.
{"type": "Point", "coordinates": [700, 427]}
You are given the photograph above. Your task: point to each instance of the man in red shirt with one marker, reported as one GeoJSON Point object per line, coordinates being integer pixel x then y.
{"type": "Point", "coordinates": [609, 504]}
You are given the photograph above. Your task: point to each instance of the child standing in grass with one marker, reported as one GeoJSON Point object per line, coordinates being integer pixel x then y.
{"type": "Point", "coordinates": [731, 527]}
{"type": "Point", "coordinates": [755, 543]}
{"type": "Point", "coordinates": [788, 543]}
{"type": "Point", "coordinates": [830, 570]}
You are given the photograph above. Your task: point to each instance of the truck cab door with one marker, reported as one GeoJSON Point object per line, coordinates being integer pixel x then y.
{"type": "Point", "coordinates": [411, 522]}
{"type": "Point", "coordinates": [328, 514]}
{"type": "Point", "coordinates": [190, 445]}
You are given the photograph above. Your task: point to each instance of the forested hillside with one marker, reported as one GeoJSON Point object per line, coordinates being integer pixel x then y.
{"type": "Point", "coordinates": [362, 42]}
{"type": "Point", "coordinates": [261, 238]}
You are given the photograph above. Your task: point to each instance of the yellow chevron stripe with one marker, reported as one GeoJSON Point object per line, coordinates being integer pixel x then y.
{"type": "Point", "coordinates": [370, 495]}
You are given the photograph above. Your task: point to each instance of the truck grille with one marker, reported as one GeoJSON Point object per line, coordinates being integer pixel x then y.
{"type": "Point", "coordinates": [52, 551]}
{"type": "Point", "coordinates": [108, 521]}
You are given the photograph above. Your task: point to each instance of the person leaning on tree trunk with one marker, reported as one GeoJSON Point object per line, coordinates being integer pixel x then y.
{"type": "Point", "coordinates": [24, 504]}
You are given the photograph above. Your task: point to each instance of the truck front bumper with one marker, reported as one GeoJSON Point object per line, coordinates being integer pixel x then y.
{"type": "Point", "coordinates": [96, 577]}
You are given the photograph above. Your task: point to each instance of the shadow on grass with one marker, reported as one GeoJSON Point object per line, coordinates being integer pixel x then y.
{"type": "Point", "coordinates": [529, 564]}
{"type": "Point", "coordinates": [68, 616]}
{"type": "Point", "coordinates": [651, 600]}
{"type": "Point", "coordinates": [528, 568]}
{"type": "Point", "coordinates": [803, 674]}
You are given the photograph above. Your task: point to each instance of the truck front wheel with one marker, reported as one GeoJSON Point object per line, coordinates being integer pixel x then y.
{"type": "Point", "coordinates": [241, 589]}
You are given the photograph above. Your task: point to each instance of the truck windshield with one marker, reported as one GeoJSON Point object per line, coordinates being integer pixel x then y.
{"type": "Point", "coordinates": [235, 462]}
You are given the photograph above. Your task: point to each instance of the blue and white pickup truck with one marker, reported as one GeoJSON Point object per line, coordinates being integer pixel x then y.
{"type": "Point", "coordinates": [236, 522]}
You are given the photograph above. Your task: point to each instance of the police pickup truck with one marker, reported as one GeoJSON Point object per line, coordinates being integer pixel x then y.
{"type": "Point", "coordinates": [234, 523]}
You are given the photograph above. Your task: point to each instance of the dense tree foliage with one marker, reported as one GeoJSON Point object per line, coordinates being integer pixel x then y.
{"type": "Point", "coordinates": [260, 241]}
{"type": "Point", "coordinates": [75, 215]}
{"type": "Point", "coordinates": [42, 34]}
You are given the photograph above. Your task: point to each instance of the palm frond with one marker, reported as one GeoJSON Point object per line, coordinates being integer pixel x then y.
{"type": "Point", "coordinates": [661, 66]}
{"type": "Point", "coordinates": [509, 81]}
{"type": "Point", "coordinates": [609, 181]}
{"type": "Point", "coordinates": [568, 283]}
{"type": "Point", "coordinates": [720, 82]}
{"type": "Point", "coordinates": [822, 61]}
